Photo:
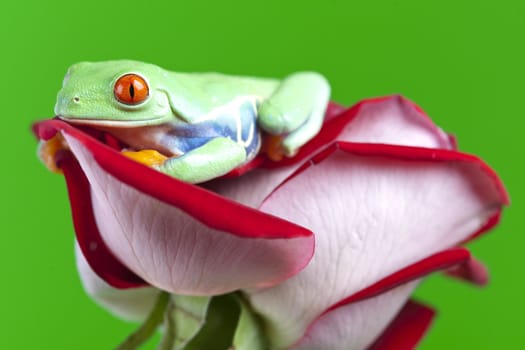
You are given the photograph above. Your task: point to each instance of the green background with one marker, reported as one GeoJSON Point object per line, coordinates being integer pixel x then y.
{"type": "Point", "coordinates": [461, 61]}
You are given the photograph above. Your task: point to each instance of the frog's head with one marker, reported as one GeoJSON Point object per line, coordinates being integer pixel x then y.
{"type": "Point", "coordinates": [113, 93]}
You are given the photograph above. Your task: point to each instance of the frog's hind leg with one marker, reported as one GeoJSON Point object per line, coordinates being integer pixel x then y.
{"type": "Point", "coordinates": [296, 109]}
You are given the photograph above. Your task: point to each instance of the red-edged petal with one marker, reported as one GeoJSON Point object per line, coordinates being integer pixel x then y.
{"type": "Point", "coordinates": [333, 110]}
{"type": "Point", "coordinates": [391, 119]}
{"type": "Point", "coordinates": [375, 209]}
{"type": "Point", "coordinates": [355, 326]}
{"type": "Point", "coordinates": [133, 304]}
{"type": "Point", "coordinates": [472, 270]}
{"type": "Point", "coordinates": [385, 120]}
{"type": "Point", "coordinates": [180, 237]}
{"type": "Point", "coordinates": [394, 120]}
{"type": "Point", "coordinates": [407, 329]}
{"type": "Point", "coordinates": [88, 236]}
{"type": "Point", "coordinates": [439, 261]}
{"type": "Point", "coordinates": [355, 322]}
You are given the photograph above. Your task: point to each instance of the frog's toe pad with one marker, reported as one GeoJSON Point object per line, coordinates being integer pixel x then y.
{"type": "Point", "coordinates": [272, 147]}
{"type": "Point", "coordinates": [47, 151]}
{"type": "Point", "coordinates": [147, 157]}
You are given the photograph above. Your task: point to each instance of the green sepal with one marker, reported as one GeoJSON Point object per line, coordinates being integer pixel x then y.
{"type": "Point", "coordinates": [184, 318]}
{"type": "Point", "coordinates": [221, 321]}
{"type": "Point", "coordinates": [249, 334]}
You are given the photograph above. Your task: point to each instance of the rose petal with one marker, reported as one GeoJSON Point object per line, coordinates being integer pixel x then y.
{"type": "Point", "coordinates": [439, 261]}
{"type": "Point", "coordinates": [251, 188]}
{"type": "Point", "coordinates": [355, 326]}
{"type": "Point", "coordinates": [205, 245]}
{"type": "Point", "coordinates": [472, 270]}
{"type": "Point", "coordinates": [491, 223]}
{"type": "Point", "coordinates": [387, 120]}
{"type": "Point", "coordinates": [88, 236]}
{"type": "Point", "coordinates": [131, 304]}
{"type": "Point", "coordinates": [348, 325]}
{"type": "Point", "coordinates": [375, 209]}
{"type": "Point", "coordinates": [394, 120]}
{"type": "Point", "coordinates": [407, 329]}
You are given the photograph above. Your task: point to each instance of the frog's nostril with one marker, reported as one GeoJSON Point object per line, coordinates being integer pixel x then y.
{"type": "Point", "coordinates": [76, 99]}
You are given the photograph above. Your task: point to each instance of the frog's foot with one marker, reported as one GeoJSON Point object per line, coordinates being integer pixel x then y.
{"type": "Point", "coordinates": [287, 141]}
{"type": "Point", "coordinates": [295, 109]}
{"type": "Point", "coordinates": [47, 151]}
{"type": "Point", "coordinates": [147, 157]}
{"type": "Point", "coordinates": [272, 147]}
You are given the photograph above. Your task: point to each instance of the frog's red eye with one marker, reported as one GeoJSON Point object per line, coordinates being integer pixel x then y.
{"type": "Point", "coordinates": [131, 89]}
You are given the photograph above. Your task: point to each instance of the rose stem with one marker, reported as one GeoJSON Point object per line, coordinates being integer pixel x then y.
{"type": "Point", "coordinates": [168, 339]}
{"type": "Point", "coordinates": [146, 330]}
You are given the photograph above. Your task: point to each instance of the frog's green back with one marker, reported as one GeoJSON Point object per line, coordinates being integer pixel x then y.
{"type": "Point", "coordinates": [196, 94]}
{"type": "Point", "coordinates": [87, 94]}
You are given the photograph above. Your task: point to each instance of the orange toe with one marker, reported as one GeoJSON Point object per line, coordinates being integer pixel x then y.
{"type": "Point", "coordinates": [147, 157]}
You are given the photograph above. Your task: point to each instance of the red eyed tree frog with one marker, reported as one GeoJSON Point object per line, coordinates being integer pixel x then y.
{"type": "Point", "coordinates": [204, 124]}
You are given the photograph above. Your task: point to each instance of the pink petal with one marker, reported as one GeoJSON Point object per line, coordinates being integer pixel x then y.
{"type": "Point", "coordinates": [88, 236]}
{"type": "Point", "coordinates": [355, 326]}
{"type": "Point", "coordinates": [130, 304]}
{"type": "Point", "coordinates": [391, 119]}
{"type": "Point", "coordinates": [394, 120]}
{"type": "Point", "coordinates": [384, 120]}
{"type": "Point", "coordinates": [452, 257]}
{"type": "Point", "coordinates": [491, 223]}
{"type": "Point", "coordinates": [472, 271]}
{"type": "Point", "coordinates": [344, 325]}
{"type": "Point", "coordinates": [179, 237]}
{"type": "Point", "coordinates": [375, 209]}
{"type": "Point", "coordinates": [407, 329]}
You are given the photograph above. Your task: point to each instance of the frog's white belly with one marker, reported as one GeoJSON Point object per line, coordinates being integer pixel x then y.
{"type": "Point", "coordinates": [237, 121]}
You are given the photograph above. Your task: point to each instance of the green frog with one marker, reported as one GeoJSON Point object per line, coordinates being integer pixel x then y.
{"type": "Point", "coordinates": [193, 126]}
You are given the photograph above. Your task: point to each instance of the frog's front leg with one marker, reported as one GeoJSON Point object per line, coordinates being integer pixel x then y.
{"type": "Point", "coordinates": [213, 159]}
{"type": "Point", "coordinates": [295, 109]}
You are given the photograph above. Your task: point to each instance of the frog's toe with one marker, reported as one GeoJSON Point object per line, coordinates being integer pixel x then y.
{"type": "Point", "coordinates": [272, 147]}
{"type": "Point", "coordinates": [271, 119]}
{"type": "Point", "coordinates": [295, 140]}
{"type": "Point", "coordinates": [148, 157]}
{"type": "Point", "coordinates": [47, 151]}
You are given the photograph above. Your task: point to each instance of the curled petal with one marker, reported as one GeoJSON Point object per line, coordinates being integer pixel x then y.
{"type": "Point", "coordinates": [472, 270]}
{"type": "Point", "coordinates": [407, 329]}
{"type": "Point", "coordinates": [179, 237]}
{"type": "Point", "coordinates": [132, 304]}
{"type": "Point", "coordinates": [393, 120]}
{"type": "Point", "coordinates": [385, 120]}
{"type": "Point", "coordinates": [355, 321]}
{"type": "Point", "coordinates": [172, 250]}
{"type": "Point", "coordinates": [89, 240]}
{"type": "Point", "coordinates": [381, 186]}
{"type": "Point", "coordinates": [355, 326]}
{"type": "Point", "coordinates": [375, 209]}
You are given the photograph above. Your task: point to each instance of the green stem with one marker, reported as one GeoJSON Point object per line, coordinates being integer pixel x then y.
{"type": "Point", "coordinates": [168, 339]}
{"type": "Point", "coordinates": [150, 325]}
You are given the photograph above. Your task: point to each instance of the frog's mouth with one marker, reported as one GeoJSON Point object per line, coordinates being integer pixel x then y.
{"type": "Point", "coordinates": [120, 135]}
{"type": "Point", "coordinates": [108, 122]}
{"type": "Point", "coordinates": [100, 132]}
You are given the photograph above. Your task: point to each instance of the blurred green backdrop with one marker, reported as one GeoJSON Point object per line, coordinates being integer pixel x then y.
{"type": "Point", "coordinates": [462, 61]}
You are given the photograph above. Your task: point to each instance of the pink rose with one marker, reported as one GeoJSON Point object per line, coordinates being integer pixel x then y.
{"type": "Point", "coordinates": [326, 246]}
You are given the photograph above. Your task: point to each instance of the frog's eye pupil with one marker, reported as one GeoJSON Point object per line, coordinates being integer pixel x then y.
{"type": "Point", "coordinates": [131, 89]}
